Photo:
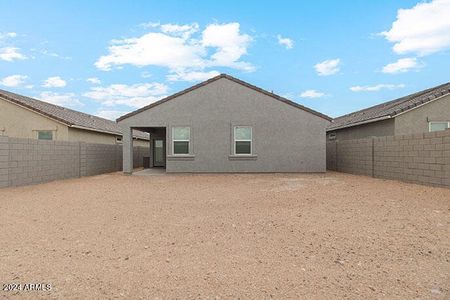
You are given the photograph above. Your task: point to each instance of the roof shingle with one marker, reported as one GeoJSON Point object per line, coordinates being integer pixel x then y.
{"type": "Point", "coordinates": [389, 109]}
{"type": "Point", "coordinates": [67, 116]}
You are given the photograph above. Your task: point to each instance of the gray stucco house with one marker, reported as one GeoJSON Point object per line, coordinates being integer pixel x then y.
{"type": "Point", "coordinates": [424, 111]}
{"type": "Point", "coordinates": [227, 125]}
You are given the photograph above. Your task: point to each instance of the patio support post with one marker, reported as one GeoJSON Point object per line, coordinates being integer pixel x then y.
{"type": "Point", "coordinates": [127, 142]}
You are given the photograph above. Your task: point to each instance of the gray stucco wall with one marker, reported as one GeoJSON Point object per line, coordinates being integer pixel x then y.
{"type": "Point", "coordinates": [380, 128]}
{"type": "Point", "coordinates": [416, 120]}
{"type": "Point", "coordinates": [285, 138]}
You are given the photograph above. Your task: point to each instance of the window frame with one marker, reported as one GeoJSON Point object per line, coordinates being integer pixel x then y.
{"type": "Point", "coordinates": [242, 140]}
{"type": "Point", "coordinates": [178, 140]}
{"type": "Point", "coordinates": [433, 122]}
{"type": "Point", "coordinates": [51, 131]}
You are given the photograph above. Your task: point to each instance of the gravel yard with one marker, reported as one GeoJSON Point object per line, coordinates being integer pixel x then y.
{"type": "Point", "coordinates": [254, 236]}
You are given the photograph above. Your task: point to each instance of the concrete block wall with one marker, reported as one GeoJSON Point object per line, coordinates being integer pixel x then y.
{"type": "Point", "coordinates": [4, 161]}
{"type": "Point", "coordinates": [355, 156]}
{"type": "Point", "coordinates": [35, 161]}
{"type": "Point", "coordinates": [30, 161]}
{"type": "Point", "coordinates": [420, 158]}
{"type": "Point", "coordinates": [331, 155]}
{"type": "Point", "coordinates": [139, 152]}
{"type": "Point", "coordinates": [102, 159]}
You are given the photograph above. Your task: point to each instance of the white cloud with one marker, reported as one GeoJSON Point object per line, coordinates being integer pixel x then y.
{"type": "Point", "coordinates": [184, 31]}
{"type": "Point", "coordinates": [62, 99]}
{"type": "Point", "coordinates": [146, 74]}
{"type": "Point", "coordinates": [5, 35]}
{"type": "Point", "coordinates": [311, 94]}
{"type": "Point", "coordinates": [54, 82]}
{"type": "Point", "coordinates": [181, 49]}
{"type": "Point", "coordinates": [110, 114]}
{"type": "Point", "coordinates": [402, 65]}
{"type": "Point", "coordinates": [152, 49]}
{"type": "Point", "coordinates": [94, 80]}
{"type": "Point", "coordinates": [192, 76]}
{"type": "Point", "coordinates": [11, 54]}
{"type": "Point", "coordinates": [328, 67]}
{"type": "Point", "coordinates": [230, 45]}
{"type": "Point", "coordinates": [423, 29]}
{"type": "Point", "coordinates": [53, 54]}
{"type": "Point", "coordinates": [376, 88]}
{"type": "Point", "coordinates": [136, 95]}
{"type": "Point", "coordinates": [13, 80]}
{"type": "Point", "coordinates": [286, 42]}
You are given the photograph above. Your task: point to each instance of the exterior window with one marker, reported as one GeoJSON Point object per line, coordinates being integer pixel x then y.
{"type": "Point", "coordinates": [332, 136]}
{"type": "Point", "coordinates": [242, 140]}
{"type": "Point", "coordinates": [45, 135]}
{"type": "Point", "coordinates": [181, 137]}
{"type": "Point", "coordinates": [438, 126]}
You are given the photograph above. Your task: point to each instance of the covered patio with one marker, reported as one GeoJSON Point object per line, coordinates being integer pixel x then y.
{"type": "Point", "coordinates": [157, 153]}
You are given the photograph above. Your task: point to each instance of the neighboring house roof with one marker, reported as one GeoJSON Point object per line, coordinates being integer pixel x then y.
{"type": "Point", "coordinates": [274, 96]}
{"type": "Point", "coordinates": [390, 109]}
{"type": "Point", "coordinates": [69, 117]}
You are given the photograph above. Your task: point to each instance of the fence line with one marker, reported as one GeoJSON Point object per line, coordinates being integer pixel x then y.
{"type": "Point", "coordinates": [421, 158]}
{"type": "Point", "coordinates": [30, 161]}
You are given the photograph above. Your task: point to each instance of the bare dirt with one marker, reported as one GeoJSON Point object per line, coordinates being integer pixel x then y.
{"type": "Point", "coordinates": [260, 236]}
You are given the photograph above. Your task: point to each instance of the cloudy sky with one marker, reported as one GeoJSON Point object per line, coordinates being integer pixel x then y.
{"type": "Point", "coordinates": [111, 57]}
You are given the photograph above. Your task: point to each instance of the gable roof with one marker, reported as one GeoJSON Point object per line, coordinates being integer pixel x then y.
{"type": "Point", "coordinates": [201, 84]}
{"type": "Point", "coordinates": [390, 109]}
{"type": "Point", "coordinates": [69, 117]}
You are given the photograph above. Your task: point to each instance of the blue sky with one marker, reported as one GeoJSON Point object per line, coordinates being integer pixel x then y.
{"type": "Point", "coordinates": [111, 57]}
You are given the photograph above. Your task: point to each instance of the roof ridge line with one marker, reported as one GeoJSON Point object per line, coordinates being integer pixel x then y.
{"type": "Point", "coordinates": [229, 77]}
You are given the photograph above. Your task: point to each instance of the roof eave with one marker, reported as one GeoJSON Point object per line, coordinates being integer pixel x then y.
{"type": "Point", "coordinates": [360, 123]}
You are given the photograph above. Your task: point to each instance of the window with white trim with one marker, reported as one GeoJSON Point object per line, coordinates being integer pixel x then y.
{"type": "Point", "coordinates": [438, 126]}
{"type": "Point", "coordinates": [181, 138]}
{"type": "Point", "coordinates": [45, 135]}
{"type": "Point", "coordinates": [242, 140]}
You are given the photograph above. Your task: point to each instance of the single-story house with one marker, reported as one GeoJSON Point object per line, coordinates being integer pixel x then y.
{"type": "Point", "coordinates": [227, 125]}
{"type": "Point", "coordinates": [25, 117]}
{"type": "Point", "coordinates": [424, 111]}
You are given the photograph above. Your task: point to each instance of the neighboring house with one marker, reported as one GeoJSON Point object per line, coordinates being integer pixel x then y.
{"type": "Point", "coordinates": [424, 111]}
{"type": "Point", "coordinates": [227, 125]}
{"type": "Point", "coordinates": [25, 117]}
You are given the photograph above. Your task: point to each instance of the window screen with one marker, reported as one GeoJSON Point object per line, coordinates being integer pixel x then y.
{"type": "Point", "coordinates": [438, 126]}
{"type": "Point", "coordinates": [181, 137]}
{"type": "Point", "coordinates": [242, 140]}
{"type": "Point", "coordinates": [45, 135]}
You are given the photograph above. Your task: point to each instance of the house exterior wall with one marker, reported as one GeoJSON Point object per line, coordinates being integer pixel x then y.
{"type": "Point", "coordinates": [16, 121]}
{"type": "Point", "coordinates": [20, 122]}
{"type": "Point", "coordinates": [380, 128]}
{"type": "Point", "coordinates": [91, 136]}
{"type": "Point", "coordinates": [416, 120]}
{"type": "Point", "coordinates": [285, 138]}
{"type": "Point", "coordinates": [141, 143]}
{"type": "Point", "coordinates": [413, 121]}
{"type": "Point", "coordinates": [87, 136]}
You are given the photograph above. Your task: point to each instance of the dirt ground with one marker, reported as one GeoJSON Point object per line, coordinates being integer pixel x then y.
{"type": "Point", "coordinates": [259, 236]}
